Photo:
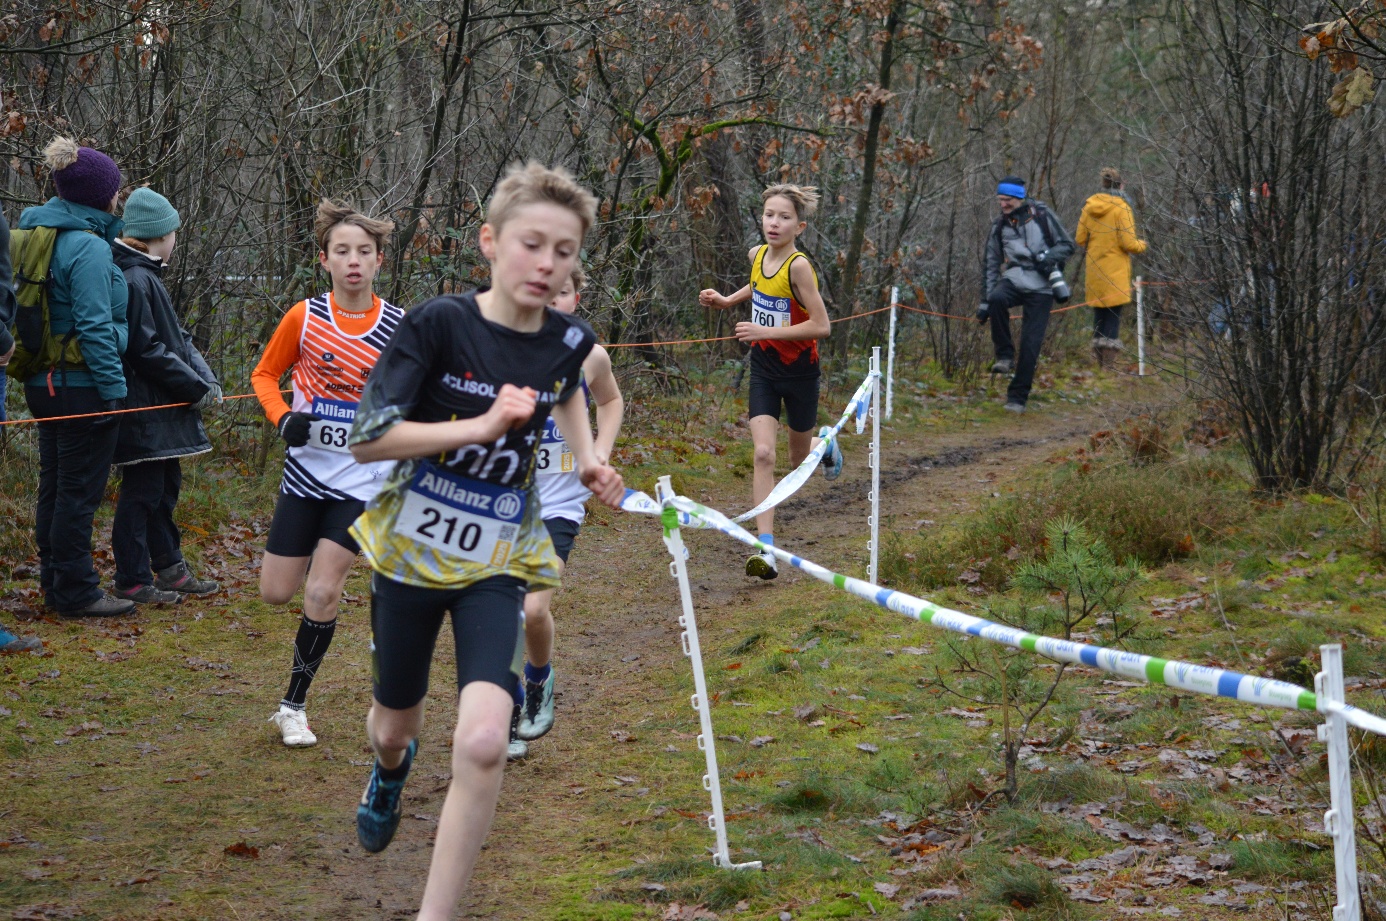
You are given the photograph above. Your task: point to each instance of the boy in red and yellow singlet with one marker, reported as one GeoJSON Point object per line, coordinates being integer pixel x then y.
{"type": "Point", "coordinates": [788, 318]}
{"type": "Point", "coordinates": [331, 342]}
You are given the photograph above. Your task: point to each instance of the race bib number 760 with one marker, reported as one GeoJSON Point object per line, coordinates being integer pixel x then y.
{"type": "Point", "coordinates": [769, 311]}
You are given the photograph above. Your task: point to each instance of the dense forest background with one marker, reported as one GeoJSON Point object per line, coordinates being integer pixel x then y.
{"type": "Point", "coordinates": [1259, 187]}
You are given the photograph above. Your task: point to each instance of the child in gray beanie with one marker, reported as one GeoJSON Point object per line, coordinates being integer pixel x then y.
{"type": "Point", "coordinates": [162, 366]}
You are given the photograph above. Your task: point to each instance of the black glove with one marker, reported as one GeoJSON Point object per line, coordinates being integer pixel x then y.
{"type": "Point", "coordinates": [293, 428]}
{"type": "Point", "coordinates": [983, 312]}
{"type": "Point", "coordinates": [112, 406]}
{"type": "Point", "coordinates": [212, 396]}
{"type": "Point", "coordinates": [1044, 264]}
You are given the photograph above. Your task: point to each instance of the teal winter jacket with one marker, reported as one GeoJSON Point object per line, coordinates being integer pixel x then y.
{"type": "Point", "coordinates": [86, 293]}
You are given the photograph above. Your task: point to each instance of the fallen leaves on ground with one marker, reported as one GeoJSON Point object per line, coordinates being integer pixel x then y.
{"type": "Point", "coordinates": [677, 912]}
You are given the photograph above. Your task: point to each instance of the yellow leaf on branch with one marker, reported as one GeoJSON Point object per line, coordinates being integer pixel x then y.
{"type": "Point", "coordinates": [1351, 93]}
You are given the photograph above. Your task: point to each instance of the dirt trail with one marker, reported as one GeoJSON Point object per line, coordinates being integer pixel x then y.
{"type": "Point", "coordinates": [617, 623]}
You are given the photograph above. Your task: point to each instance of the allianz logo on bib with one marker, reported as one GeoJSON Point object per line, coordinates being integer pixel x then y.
{"type": "Point", "coordinates": [505, 506]}
{"type": "Point", "coordinates": [466, 384]}
{"type": "Point", "coordinates": [766, 302]}
{"type": "Point", "coordinates": [334, 409]}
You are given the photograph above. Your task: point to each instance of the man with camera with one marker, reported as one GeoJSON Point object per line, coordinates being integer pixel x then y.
{"type": "Point", "coordinates": [1024, 265]}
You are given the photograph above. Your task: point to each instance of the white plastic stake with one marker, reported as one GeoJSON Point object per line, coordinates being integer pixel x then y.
{"type": "Point", "coordinates": [875, 544]}
{"type": "Point", "coordinates": [890, 353]}
{"type": "Point", "coordinates": [1140, 329]}
{"type": "Point", "coordinates": [1338, 821]}
{"type": "Point", "coordinates": [691, 648]}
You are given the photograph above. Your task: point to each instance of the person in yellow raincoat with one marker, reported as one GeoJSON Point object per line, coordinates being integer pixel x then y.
{"type": "Point", "coordinates": [1107, 231]}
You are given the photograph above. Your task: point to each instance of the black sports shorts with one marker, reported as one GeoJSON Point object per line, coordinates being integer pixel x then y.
{"type": "Point", "coordinates": [562, 531]}
{"type": "Point", "coordinates": [487, 630]}
{"type": "Point", "coordinates": [300, 523]}
{"type": "Point", "coordinates": [799, 396]}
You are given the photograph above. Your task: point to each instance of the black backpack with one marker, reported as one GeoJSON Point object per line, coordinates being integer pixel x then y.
{"type": "Point", "coordinates": [1040, 213]}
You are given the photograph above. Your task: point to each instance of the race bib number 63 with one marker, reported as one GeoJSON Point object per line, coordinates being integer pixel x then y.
{"type": "Point", "coordinates": [461, 517]}
{"type": "Point", "coordinates": [554, 455]}
{"type": "Point", "coordinates": [331, 429]}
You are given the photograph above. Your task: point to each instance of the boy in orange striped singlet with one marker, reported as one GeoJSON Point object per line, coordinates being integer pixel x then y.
{"type": "Point", "coordinates": [331, 342]}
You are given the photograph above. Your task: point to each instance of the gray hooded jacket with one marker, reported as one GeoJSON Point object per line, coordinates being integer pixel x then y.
{"type": "Point", "coordinates": [1016, 240]}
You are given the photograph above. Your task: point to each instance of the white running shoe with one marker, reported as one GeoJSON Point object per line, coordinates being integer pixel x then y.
{"type": "Point", "coordinates": [536, 716]}
{"type": "Point", "coordinates": [293, 726]}
{"type": "Point", "coordinates": [763, 565]}
{"type": "Point", "coordinates": [518, 749]}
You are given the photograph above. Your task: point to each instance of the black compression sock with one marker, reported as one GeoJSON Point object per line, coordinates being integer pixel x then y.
{"type": "Point", "coordinates": [309, 647]}
{"type": "Point", "coordinates": [394, 773]}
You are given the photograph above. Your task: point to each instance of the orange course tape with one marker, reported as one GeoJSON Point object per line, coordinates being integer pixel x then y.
{"type": "Point", "coordinates": [117, 412]}
{"type": "Point", "coordinates": [614, 345]}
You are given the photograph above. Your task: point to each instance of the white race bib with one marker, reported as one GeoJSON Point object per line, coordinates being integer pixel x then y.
{"type": "Point", "coordinates": [769, 311]}
{"type": "Point", "coordinates": [331, 430]}
{"type": "Point", "coordinates": [462, 517]}
{"type": "Point", "coordinates": [554, 455]}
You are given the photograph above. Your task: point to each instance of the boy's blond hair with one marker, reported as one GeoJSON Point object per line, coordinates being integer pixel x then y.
{"type": "Point", "coordinates": [533, 183]}
{"type": "Point", "coordinates": [804, 198]}
{"type": "Point", "coordinates": [579, 277]}
{"type": "Point", "coordinates": [332, 214]}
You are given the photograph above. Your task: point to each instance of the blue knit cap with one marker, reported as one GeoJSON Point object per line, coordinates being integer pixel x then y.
{"type": "Point", "coordinates": [149, 216]}
{"type": "Point", "coordinates": [1013, 186]}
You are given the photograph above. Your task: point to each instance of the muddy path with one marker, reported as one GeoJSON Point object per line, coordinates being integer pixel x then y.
{"type": "Point", "coordinates": [617, 626]}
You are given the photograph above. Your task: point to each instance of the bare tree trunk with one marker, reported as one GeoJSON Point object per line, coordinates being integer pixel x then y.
{"type": "Point", "coordinates": [862, 217]}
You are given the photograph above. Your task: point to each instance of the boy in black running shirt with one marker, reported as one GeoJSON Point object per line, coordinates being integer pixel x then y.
{"type": "Point", "coordinates": [460, 397]}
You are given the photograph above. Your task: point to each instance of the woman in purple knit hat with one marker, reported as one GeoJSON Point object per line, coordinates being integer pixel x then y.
{"type": "Point", "coordinates": [86, 308]}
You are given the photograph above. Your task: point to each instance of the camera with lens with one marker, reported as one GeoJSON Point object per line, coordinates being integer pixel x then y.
{"type": "Point", "coordinates": [1055, 274]}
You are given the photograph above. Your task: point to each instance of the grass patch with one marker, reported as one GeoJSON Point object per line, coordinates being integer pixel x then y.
{"type": "Point", "coordinates": [1153, 513]}
{"type": "Point", "coordinates": [1026, 888]}
{"type": "Point", "coordinates": [1276, 858]}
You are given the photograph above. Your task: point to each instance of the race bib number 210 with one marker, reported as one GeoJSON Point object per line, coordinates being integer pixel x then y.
{"type": "Point", "coordinates": [461, 517]}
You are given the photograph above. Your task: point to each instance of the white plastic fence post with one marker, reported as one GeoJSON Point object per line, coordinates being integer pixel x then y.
{"type": "Point", "coordinates": [875, 465]}
{"type": "Point", "coordinates": [1338, 821]}
{"type": "Point", "coordinates": [890, 353]}
{"type": "Point", "coordinates": [711, 780]}
{"type": "Point", "coordinates": [1140, 328]}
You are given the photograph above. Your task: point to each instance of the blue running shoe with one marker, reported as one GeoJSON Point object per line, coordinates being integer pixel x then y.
{"type": "Point", "coordinates": [832, 461]}
{"type": "Point", "coordinates": [378, 815]}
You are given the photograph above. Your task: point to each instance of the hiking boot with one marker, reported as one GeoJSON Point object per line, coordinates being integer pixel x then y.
{"type": "Point", "coordinates": [381, 805]}
{"type": "Point", "coordinates": [107, 605]}
{"type": "Point", "coordinates": [13, 645]}
{"type": "Point", "coordinates": [293, 726]}
{"type": "Point", "coordinates": [518, 749]}
{"type": "Point", "coordinates": [178, 578]}
{"type": "Point", "coordinates": [763, 565]}
{"type": "Point", "coordinates": [537, 717]}
{"type": "Point", "coordinates": [832, 458]}
{"type": "Point", "coordinates": [1001, 366]}
{"type": "Point", "coordinates": [147, 594]}
{"type": "Point", "coordinates": [1106, 351]}
{"type": "Point", "coordinates": [1013, 407]}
